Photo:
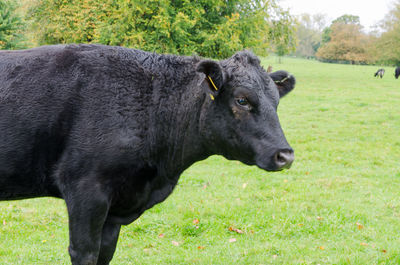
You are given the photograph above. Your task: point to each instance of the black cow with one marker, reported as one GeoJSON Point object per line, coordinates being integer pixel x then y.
{"type": "Point", "coordinates": [380, 73]}
{"type": "Point", "coordinates": [110, 129]}
{"type": "Point", "coordinates": [397, 72]}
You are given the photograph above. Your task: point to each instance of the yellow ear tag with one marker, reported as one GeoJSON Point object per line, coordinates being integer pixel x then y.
{"type": "Point", "coordinates": [212, 97]}
{"type": "Point", "coordinates": [215, 87]}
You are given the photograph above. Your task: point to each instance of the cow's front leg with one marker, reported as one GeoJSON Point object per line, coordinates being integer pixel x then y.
{"type": "Point", "coordinates": [87, 209]}
{"type": "Point", "coordinates": [109, 240]}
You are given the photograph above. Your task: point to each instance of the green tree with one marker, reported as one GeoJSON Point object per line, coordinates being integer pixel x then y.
{"type": "Point", "coordinates": [10, 25]}
{"type": "Point", "coordinates": [283, 34]}
{"type": "Point", "coordinates": [347, 43]}
{"type": "Point", "coordinates": [212, 28]}
{"type": "Point", "coordinates": [326, 35]}
{"type": "Point", "coordinates": [64, 21]}
{"type": "Point", "coordinates": [309, 34]}
{"type": "Point", "coordinates": [347, 19]}
{"type": "Point", "coordinates": [388, 48]}
{"type": "Point", "coordinates": [344, 41]}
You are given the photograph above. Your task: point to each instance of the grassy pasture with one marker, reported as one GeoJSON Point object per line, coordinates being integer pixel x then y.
{"type": "Point", "coordinates": [338, 204]}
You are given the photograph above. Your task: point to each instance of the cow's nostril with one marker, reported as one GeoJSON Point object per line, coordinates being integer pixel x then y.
{"type": "Point", "coordinates": [281, 158]}
{"type": "Point", "coordinates": [284, 158]}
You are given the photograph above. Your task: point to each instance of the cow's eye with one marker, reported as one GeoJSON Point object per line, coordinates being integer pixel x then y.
{"type": "Point", "coordinates": [242, 101]}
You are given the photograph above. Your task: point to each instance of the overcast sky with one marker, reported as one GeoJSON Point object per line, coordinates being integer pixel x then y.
{"type": "Point", "coordinates": [369, 11]}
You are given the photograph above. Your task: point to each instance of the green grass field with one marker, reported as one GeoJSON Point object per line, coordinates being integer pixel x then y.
{"type": "Point", "coordinates": [338, 204]}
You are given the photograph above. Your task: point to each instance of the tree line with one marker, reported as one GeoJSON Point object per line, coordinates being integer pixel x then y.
{"type": "Point", "coordinates": [210, 28]}
{"type": "Point", "coordinates": [344, 41]}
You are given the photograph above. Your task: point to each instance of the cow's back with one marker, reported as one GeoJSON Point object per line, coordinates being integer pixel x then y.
{"type": "Point", "coordinates": [99, 101]}
{"type": "Point", "coordinates": [41, 96]}
{"type": "Point", "coordinates": [35, 113]}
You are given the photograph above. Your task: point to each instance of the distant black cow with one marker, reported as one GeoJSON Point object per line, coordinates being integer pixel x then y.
{"type": "Point", "coordinates": [397, 72]}
{"type": "Point", "coordinates": [110, 129]}
{"type": "Point", "coordinates": [380, 73]}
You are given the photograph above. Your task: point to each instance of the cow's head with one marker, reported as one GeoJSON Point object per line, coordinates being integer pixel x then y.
{"type": "Point", "coordinates": [239, 119]}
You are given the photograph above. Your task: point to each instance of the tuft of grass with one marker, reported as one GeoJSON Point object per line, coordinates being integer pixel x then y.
{"type": "Point", "coordinates": [338, 204]}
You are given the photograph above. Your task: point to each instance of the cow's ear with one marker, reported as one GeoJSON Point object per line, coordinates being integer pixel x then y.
{"type": "Point", "coordinates": [214, 76]}
{"type": "Point", "coordinates": [284, 81]}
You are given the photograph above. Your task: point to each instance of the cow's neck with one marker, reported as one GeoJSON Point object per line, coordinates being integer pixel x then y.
{"type": "Point", "coordinates": [179, 143]}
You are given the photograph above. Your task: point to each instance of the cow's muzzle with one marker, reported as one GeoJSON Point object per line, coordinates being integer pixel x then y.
{"type": "Point", "coordinates": [281, 159]}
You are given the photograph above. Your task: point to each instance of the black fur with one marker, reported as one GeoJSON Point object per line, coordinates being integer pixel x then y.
{"type": "Point", "coordinates": [284, 81]}
{"type": "Point", "coordinates": [397, 72]}
{"type": "Point", "coordinates": [110, 129]}
{"type": "Point", "coordinates": [380, 73]}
